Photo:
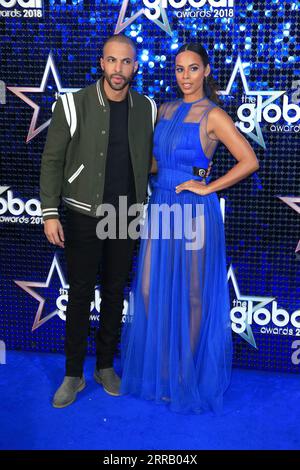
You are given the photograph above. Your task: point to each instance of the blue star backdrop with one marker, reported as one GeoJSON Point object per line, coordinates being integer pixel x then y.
{"type": "Point", "coordinates": [54, 46]}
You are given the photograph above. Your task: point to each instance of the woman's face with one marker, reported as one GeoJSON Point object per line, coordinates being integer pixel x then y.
{"type": "Point", "coordinates": [190, 74]}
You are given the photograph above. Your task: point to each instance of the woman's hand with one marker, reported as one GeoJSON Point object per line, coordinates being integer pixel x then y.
{"type": "Point", "coordinates": [197, 187]}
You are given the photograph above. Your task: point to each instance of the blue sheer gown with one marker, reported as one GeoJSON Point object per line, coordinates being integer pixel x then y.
{"type": "Point", "coordinates": [176, 341]}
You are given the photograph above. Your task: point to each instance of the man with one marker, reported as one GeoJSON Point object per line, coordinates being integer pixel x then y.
{"type": "Point", "coordinates": [98, 147]}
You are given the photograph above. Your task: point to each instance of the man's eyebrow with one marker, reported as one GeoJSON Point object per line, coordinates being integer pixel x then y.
{"type": "Point", "coordinates": [112, 57]}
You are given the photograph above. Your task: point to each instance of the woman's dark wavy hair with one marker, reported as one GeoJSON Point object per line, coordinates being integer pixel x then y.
{"type": "Point", "coordinates": [210, 86]}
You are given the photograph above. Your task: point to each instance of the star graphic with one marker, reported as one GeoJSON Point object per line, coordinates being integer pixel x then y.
{"type": "Point", "coordinates": [19, 91]}
{"type": "Point", "coordinates": [293, 203]}
{"type": "Point", "coordinates": [274, 95]}
{"type": "Point", "coordinates": [3, 189]}
{"type": "Point", "coordinates": [122, 23]}
{"type": "Point", "coordinates": [26, 285]}
{"type": "Point", "coordinates": [261, 302]}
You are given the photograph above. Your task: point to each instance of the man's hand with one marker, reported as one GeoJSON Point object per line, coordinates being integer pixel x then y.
{"type": "Point", "coordinates": [54, 232]}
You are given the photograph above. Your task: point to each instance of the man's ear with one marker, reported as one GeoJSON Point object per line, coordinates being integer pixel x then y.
{"type": "Point", "coordinates": [102, 63]}
{"type": "Point", "coordinates": [136, 66]}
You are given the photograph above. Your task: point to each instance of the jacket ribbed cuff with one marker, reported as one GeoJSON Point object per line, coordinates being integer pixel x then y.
{"type": "Point", "coordinates": [51, 213]}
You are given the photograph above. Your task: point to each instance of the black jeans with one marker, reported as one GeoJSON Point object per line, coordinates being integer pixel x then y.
{"type": "Point", "coordinates": [85, 254]}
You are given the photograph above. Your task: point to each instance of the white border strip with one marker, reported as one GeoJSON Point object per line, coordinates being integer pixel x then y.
{"type": "Point", "coordinates": [66, 109]}
{"type": "Point", "coordinates": [77, 202]}
{"type": "Point", "coordinates": [154, 110]}
{"type": "Point", "coordinates": [50, 209]}
{"type": "Point", "coordinates": [77, 172]}
{"type": "Point", "coordinates": [77, 205]}
{"type": "Point", "coordinates": [73, 126]}
{"type": "Point", "coordinates": [49, 213]}
{"type": "Point", "coordinates": [100, 94]}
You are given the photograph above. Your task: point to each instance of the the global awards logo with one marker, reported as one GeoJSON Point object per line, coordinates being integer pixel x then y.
{"type": "Point", "coordinates": [269, 108]}
{"type": "Point", "coordinates": [15, 210]}
{"type": "Point", "coordinates": [191, 8]}
{"type": "Point", "coordinates": [156, 11]}
{"type": "Point", "coordinates": [21, 8]}
{"type": "Point", "coordinates": [261, 313]}
{"type": "Point", "coordinates": [53, 300]}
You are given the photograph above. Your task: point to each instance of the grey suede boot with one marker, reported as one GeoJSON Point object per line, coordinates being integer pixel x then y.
{"type": "Point", "coordinates": [109, 380]}
{"type": "Point", "coordinates": [67, 392]}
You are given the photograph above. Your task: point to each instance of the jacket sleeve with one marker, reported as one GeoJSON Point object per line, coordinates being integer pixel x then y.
{"type": "Point", "coordinates": [53, 160]}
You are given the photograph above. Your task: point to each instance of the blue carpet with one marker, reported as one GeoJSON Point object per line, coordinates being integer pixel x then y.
{"type": "Point", "coordinates": [261, 411]}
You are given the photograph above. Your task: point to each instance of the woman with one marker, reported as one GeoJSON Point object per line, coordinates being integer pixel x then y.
{"type": "Point", "coordinates": [176, 345]}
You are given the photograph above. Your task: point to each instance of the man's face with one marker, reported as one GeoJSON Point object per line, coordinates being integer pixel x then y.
{"type": "Point", "coordinates": [118, 64]}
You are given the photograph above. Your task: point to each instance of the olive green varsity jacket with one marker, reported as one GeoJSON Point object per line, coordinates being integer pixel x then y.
{"type": "Point", "coordinates": [74, 157]}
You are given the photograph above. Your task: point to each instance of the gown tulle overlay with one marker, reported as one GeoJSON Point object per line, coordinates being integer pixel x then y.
{"type": "Point", "coordinates": [176, 341]}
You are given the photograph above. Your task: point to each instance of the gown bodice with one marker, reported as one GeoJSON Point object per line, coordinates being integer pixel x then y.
{"type": "Point", "coordinates": [181, 141]}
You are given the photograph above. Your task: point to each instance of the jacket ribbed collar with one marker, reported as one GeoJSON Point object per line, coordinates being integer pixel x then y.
{"type": "Point", "coordinates": [102, 95]}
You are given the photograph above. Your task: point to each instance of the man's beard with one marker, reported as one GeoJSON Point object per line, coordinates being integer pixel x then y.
{"type": "Point", "coordinates": [126, 80]}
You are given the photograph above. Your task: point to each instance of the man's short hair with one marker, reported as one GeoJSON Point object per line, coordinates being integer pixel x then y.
{"type": "Point", "coordinates": [120, 38]}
